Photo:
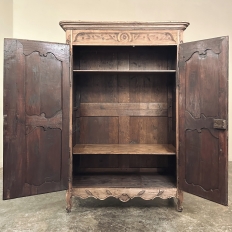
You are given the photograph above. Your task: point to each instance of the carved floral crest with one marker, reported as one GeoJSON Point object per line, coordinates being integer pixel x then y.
{"type": "Point", "coordinates": [123, 36]}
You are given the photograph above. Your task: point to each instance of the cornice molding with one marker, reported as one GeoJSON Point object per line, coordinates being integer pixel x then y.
{"type": "Point", "coordinates": [86, 25]}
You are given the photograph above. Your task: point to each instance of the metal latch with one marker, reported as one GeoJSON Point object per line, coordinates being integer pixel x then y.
{"type": "Point", "coordinates": [219, 124]}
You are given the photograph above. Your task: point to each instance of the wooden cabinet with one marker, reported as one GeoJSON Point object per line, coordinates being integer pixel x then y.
{"type": "Point", "coordinates": [122, 110]}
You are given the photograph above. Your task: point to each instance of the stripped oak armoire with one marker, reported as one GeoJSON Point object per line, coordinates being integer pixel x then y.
{"type": "Point", "coordinates": [123, 109]}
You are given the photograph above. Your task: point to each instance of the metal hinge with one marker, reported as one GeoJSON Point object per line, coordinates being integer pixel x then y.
{"type": "Point", "coordinates": [219, 124]}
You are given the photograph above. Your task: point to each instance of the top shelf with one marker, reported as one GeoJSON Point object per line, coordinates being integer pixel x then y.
{"type": "Point", "coordinates": [124, 71]}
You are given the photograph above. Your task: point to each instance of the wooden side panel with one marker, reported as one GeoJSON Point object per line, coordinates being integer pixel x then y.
{"type": "Point", "coordinates": [14, 145]}
{"type": "Point", "coordinates": [203, 97]}
{"type": "Point", "coordinates": [36, 109]}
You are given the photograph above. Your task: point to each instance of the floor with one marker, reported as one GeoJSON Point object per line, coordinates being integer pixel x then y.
{"type": "Point", "coordinates": [47, 213]}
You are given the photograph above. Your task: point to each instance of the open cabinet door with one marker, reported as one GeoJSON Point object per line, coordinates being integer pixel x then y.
{"type": "Point", "coordinates": [203, 118]}
{"type": "Point", "coordinates": [36, 117]}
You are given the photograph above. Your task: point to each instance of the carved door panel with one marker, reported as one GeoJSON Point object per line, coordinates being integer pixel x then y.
{"type": "Point", "coordinates": [36, 117]}
{"type": "Point", "coordinates": [203, 116]}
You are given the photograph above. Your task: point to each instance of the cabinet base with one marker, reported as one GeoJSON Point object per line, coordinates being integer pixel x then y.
{"type": "Point", "coordinates": [124, 188]}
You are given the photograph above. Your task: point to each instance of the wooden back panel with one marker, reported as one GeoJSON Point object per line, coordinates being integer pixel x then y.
{"type": "Point", "coordinates": [122, 107]}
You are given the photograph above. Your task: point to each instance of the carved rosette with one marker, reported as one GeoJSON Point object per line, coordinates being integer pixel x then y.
{"type": "Point", "coordinates": [123, 194]}
{"type": "Point", "coordinates": [124, 37]}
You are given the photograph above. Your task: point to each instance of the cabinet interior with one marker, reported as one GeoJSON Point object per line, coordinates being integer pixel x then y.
{"type": "Point", "coordinates": [123, 114]}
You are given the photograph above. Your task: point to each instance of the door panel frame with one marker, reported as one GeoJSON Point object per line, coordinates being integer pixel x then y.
{"type": "Point", "coordinates": [15, 123]}
{"type": "Point", "coordinates": [218, 46]}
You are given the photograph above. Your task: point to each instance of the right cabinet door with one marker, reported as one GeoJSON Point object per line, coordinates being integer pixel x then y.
{"type": "Point", "coordinates": [203, 119]}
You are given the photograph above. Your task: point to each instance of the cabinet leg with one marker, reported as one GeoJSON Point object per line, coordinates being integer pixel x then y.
{"type": "Point", "coordinates": [68, 201]}
{"type": "Point", "coordinates": [180, 198]}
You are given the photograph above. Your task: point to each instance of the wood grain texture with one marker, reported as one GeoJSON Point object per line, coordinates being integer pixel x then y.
{"type": "Point", "coordinates": [96, 88]}
{"type": "Point", "coordinates": [126, 163]}
{"type": "Point", "coordinates": [124, 187]}
{"type": "Point", "coordinates": [43, 121]}
{"type": "Point", "coordinates": [14, 141]}
{"type": "Point", "coordinates": [123, 25]}
{"type": "Point", "coordinates": [114, 76]}
{"type": "Point", "coordinates": [132, 170]}
{"type": "Point", "coordinates": [107, 128]}
{"type": "Point", "coordinates": [123, 88]}
{"type": "Point", "coordinates": [104, 98]}
{"type": "Point", "coordinates": [77, 71]}
{"type": "Point", "coordinates": [142, 149]}
{"type": "Point", "coordinates": [123, 109]}
{"type": "Point", "coordinates": [97, 37]}
{"type": "Point", "coordinates": [36, 109]}
{"type": "Point", "coordinates": [148, 130]}
{"type": "Point", "coordinates": [124, 106]}
{"type": "Point", "coordinates": [203, 98]}
{"type": "Point", "coordinates": [126, 59]}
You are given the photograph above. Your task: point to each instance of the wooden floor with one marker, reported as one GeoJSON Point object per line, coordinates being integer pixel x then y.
{"type": "Point", "coordinates": [138, 149]}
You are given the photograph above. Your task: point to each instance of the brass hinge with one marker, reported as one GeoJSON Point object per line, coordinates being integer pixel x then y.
{"type": "Point", "coordinates": [219, 124]}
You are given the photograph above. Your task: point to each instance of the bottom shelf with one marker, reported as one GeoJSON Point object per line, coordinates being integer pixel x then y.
{"type": "Point", "coordinates": [136, 149]}
{"type": "Point", "coordinates": [124, 187]}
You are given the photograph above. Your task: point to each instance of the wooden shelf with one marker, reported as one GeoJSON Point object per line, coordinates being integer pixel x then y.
{"type": "Point", "coordinates": [136, 149]}
{"type": "Point", "coordinates": [124, 71]}
{"type": "Point", "coordinates": [124, 187]}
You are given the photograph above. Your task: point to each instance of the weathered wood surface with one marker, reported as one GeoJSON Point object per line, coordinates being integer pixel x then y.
{"type": "Point", "coordinates": [36, 122]}
{"type": "Point", "coordinates": [142, 149]}
{"type": "Point", "coordinates": [126, 59]}
{"type": "Point", "coordinates": [180, 199]}
{"type": "Point", "coordinates": [203, 97]}
{"type": "Point", "coordinates": [109, 77]}
{"type": "Point", "coordinates": [111, 98]}
{"type": "Point", "coordinates": [133, 170]}
{"type": "Point", "coordinates": [123, 109]}
{"type": "Point", "coordinates": [104, 25]}
{"type": "Point", "coordinates": [126, 161]}
{"type": "Point", "coordinates": [124, 187]}
{"type": "Point", "coordinates": [124, 71]}
{"type": "Point", "coordinates": [97, 37]}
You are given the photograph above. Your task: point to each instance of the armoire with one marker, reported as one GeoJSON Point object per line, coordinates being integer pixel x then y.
{"type": "Point", "coordinates": [123, 110]}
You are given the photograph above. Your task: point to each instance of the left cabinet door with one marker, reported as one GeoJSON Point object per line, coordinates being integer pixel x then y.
{"type": "Point", "coordinates": [36, 117]}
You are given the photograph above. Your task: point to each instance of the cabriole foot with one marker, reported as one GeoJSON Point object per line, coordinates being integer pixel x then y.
{"type": "Point", "coordinates": [68, 201]}
{"type": "Point", "coordinates": [180, 198]}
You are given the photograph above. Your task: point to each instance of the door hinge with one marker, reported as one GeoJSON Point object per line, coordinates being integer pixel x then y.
{"type": "Point", "coordinates": [219, 124]}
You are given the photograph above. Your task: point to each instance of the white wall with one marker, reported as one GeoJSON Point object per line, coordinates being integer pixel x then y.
{"type": "Point", "coordinates": [38, 20]}
{"type": "Point", "coordinates": [6, 31]}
